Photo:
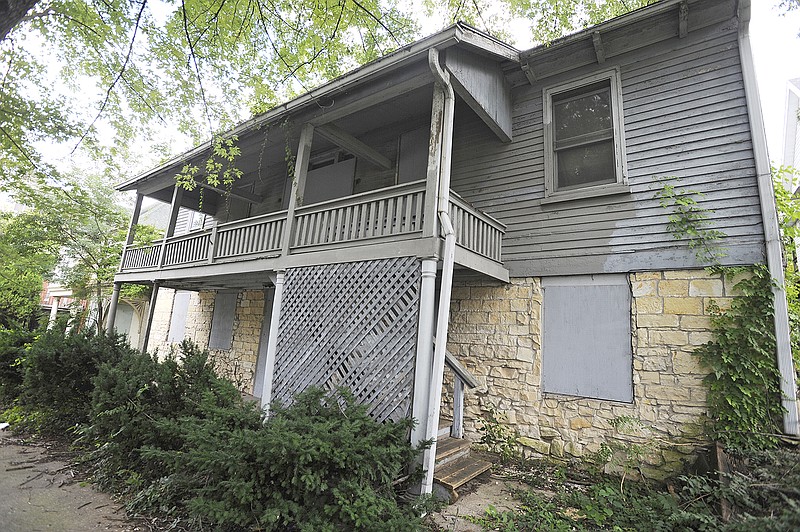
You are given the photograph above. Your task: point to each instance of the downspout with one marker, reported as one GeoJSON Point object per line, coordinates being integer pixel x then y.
{"type": "Point", "coordinates": [442, 79]}
{"type": "Point", "coordinates": [770, 222]}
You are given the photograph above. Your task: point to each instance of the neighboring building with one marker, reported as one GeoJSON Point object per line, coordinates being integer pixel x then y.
{"type": "Point", "coordinates": [56, 299]}
{"type": "Point", "coordinates": [571, 306]}
{"type": "Point", "coordinates": [791, 136]}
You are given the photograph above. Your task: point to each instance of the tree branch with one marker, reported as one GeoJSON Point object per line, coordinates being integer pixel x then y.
{"type": "Point", "coordinates": [117, 78]}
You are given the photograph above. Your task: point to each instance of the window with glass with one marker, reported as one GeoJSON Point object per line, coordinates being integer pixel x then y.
{"type": "Point", "coordinates": [583, 135]}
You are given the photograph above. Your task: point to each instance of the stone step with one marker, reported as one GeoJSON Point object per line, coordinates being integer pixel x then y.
{"type": "Point", "coordinates": [449, 449]}
{"type": "Point", "coordinates": [454, 474]}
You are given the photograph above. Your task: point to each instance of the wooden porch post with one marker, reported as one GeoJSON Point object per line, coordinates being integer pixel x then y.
{"type": "Point", "coordinates": [112, 308]}
{"type": "Point", "coordinates": [151, 310]}
{"type": "Point", "coordinates": [137, 210]}
{"type": "Point", "coordinates": [177, 197]}
{"type": "Point", "coordinates": [272, 343]}
{"type": "Point", "coordinates": [424, 361]}
{"type": "Point", "coordinates": [434, 160]}
{"type": "Point", "coordinates": [298, 184]}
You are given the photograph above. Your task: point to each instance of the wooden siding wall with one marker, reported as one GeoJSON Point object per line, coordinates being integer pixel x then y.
{"type": "Point", "coordinates": [353, 325]}
{"type": "Point", "coordinates": [684, 116]}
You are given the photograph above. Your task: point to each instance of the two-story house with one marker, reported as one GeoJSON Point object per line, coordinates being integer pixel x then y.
{"type": "Point", "coordinates": [459, 211]}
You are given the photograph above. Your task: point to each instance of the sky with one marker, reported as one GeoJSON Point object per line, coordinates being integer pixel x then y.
{"type": "Point", "coordinates": [776, 54]}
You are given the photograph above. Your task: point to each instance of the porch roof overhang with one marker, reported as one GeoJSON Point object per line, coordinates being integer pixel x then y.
{"type": "Point", "coordinates": [336, 91]}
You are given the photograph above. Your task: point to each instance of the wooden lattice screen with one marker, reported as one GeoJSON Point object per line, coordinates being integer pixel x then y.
{"type": "Point", "coordinates": [353, 325]}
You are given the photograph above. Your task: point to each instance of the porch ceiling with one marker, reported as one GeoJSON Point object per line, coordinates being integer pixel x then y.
{"type": "Point", "coordinates": [264, 150]}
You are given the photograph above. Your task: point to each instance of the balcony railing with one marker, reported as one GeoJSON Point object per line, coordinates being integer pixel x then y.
{"type": "Point", "coordinates": [383, 215]}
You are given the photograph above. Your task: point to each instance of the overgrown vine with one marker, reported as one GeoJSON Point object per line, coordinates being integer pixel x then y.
{"type": "Point", "coordinates": [689, 221]}
{"type": "Point", "coordinates": [744, 397]}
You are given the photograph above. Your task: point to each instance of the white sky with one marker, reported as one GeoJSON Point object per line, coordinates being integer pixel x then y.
{"type": "Point", "coordinates": [776, 52]}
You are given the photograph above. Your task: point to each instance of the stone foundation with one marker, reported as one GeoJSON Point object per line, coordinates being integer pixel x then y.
{"type": "Point", "coordinates": [238, 363]}
{"type": "Point", "coordinates": [495, 330]}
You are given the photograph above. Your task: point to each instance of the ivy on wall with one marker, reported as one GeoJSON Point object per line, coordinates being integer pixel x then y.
{"type": "Point", "coordinates": [744, 396]}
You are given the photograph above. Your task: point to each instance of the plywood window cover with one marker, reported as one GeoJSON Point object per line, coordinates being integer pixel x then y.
{"type": "Point", "coordinates": [612, 77]}
{"type": "Point", "coordinates": [561, 373]}
{"type": "Point", "coordinates": [221, 334]}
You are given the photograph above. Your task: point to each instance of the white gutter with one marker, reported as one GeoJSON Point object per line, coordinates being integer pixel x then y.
{"type": "Point", "coordinates": [770, 221]}
{"type": "Point", "coordinates": [442, 80]}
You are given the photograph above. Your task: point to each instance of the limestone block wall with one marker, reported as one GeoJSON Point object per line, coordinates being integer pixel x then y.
{"type": "Point", "coordinates": [161, 318]}
{"type": "Point", "coordinates": [238, 363]}
{"type": "Point", "coordinates": [495, 331]}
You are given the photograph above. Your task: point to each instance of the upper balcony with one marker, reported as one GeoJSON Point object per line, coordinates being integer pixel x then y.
{"type": "Point", "coordinates": [378, 224]}
{"type": "Point", "coordinates": [336, 175]}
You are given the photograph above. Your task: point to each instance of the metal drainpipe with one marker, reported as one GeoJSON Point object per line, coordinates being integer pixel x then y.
{"type": "Point", "coordinates": [448, 260]}
{"type": "Point", "coordinates": [791, 425]}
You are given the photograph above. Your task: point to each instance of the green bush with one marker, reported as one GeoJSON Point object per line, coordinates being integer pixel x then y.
{"type": "Point", "coordinates": [59, 369]}
{"type": "Point", "coordinates": [320, 464]}
{"type": "Point", "coordinates": [136, 402]}
{"type": "Point", "coordinates": [12, 355]}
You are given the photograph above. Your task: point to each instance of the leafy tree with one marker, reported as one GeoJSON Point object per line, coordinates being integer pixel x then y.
{"type": "Point", "coordinates": [548, 19]}
{"type": "Point", "coordinates": [84, 229]}
{"type": "Point", "coordinates": [23, 266]}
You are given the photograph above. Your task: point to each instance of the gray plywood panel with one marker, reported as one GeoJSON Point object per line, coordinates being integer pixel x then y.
{"type": "Point", "coordinates": [222, 320]}
{"type": "Point", "coordinates": [177, 323]}
{"type": "Point", "coordinates": [586, 337]}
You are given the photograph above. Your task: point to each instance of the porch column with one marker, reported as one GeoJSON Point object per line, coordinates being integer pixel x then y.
{"type": "Point", "coordinates": [112, 308]}
{"type": "Point", "coordinates": [177, 197]}
{"type": "Point", "coordinates": [424, 359]}
{"type": "Point", "coordinates": [53, 312]}
{"type": "Point", "coordinates": [298, 184]}
{"type": "Point", "coordinates": [137, 210]}
{"type": "Point", "coordinates": [431, 222]}
{"type": "Point", "coordinates": [151, 310]}
{"type": "Point", "coordinates": [272, 342]}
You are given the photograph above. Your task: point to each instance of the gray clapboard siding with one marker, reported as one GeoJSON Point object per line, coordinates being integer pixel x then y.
{"type": "Point", "coordinates": [684, 116]}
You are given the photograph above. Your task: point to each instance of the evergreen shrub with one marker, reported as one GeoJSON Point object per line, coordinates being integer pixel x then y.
{"type": "Point", "coordinates": [60, 368]}
{"type": "Point", "coordinates": [12, 356]}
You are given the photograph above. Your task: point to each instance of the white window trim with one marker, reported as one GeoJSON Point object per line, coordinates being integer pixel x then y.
{"type": "Point", "coordinates": [621, 185]}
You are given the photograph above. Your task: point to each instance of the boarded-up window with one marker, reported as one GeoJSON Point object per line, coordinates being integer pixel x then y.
{"type": "Point", "coordinates": [177, 324]}
{"type": "Point", "coordinates": [586, 337]}
{"type": "Point", "coordinates": [222, 321]}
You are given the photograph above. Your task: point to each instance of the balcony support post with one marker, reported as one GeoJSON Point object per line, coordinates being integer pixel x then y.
{"type": "Point", "coordinates": [137, 210]}
{"type": "Point", "coordinates": [272, 342]}
{"type": "Point", "coordinates": [177, 197]}
{"type": "Point", "coordinates": [431, 222]}
{"type": "Point", "coordinates": [298, 184]}
{"type": "Point", "coordinates": [112, 308]}
{"type": "Point", "coordinates": [424, 361]}
{"type": "Point", "coordinates": [151, 311]}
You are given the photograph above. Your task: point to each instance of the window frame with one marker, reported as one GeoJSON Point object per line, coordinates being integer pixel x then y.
{"type": "Point", "coordinates": [620, 185]}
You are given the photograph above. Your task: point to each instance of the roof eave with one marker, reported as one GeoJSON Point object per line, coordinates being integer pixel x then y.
{"type": "Point", "coordinates": [448, 37]}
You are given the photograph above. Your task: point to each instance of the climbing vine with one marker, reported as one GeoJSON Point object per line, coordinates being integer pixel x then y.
{"type": "Point", "coordinates": [688, 220]}
{"type": "Point", "coordinates": [744, 397]}
{"type": "Point", "coordinates": [220, 167]}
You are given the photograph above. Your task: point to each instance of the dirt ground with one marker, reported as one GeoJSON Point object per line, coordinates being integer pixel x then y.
{"type": "Point", "coordinates": [41, 493]}
{"type": "Point", "coordinates": [487, 490]}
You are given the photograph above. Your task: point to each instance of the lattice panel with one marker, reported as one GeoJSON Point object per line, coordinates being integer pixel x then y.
{"type": "Point", "coordinates": [353, 325]}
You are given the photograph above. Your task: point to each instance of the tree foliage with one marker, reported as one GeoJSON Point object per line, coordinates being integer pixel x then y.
{"type": "Point", "coordinates": [27, 256]}
{"type": "Point", "coordinates": [75, 222]}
